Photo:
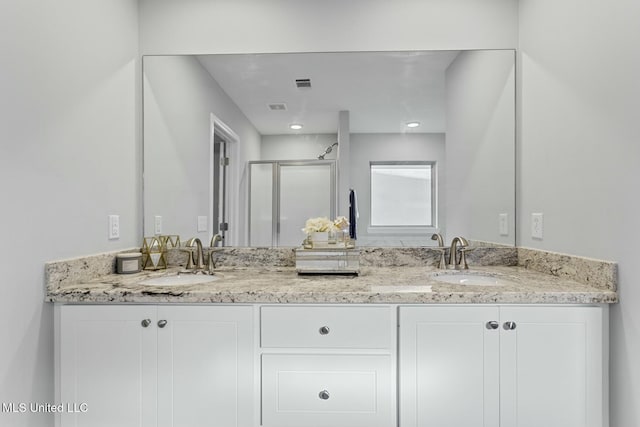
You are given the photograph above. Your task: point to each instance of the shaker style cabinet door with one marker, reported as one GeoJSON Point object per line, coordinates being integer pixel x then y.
{"type": "Point", "coordinates": [448, 367]}
{"type": "Point", "coordinates": [107, 366]}
{"type": "Point", "coordinates": [508, 366]}
{"type": "Point", "coordinates": [205, 366]}
{"type": "Point", "coordinates": [156, 366]}
{"type": "Point", "coordinates": [551, 371]}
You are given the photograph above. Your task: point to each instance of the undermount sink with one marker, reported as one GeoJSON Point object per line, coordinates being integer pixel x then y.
{"type": "Point", "coordinates": [179, 280]}
{"type": "Point", "coordinates": [400, 288]}
{"type": "Point", "coordinates": [471, 278]}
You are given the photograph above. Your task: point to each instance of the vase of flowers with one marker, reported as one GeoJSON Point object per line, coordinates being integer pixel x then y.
{"type": "Point", "coordinates": [321, 231]}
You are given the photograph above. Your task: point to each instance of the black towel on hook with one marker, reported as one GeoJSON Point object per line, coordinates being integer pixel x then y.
{"type": "Point", "coordinates": [352, 214]}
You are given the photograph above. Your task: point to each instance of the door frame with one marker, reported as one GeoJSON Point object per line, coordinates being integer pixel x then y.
{"type": "Point", "coordinates": [232, 139]}
{"type": "Point", "coordinates": [275, 196]}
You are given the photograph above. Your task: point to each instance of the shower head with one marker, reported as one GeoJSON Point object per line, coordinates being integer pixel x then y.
{"type": "Point", "coordinates": [327, 151]}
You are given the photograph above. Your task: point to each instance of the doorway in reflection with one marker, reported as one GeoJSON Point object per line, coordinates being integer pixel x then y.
{"type": "Point", "coordinates": [219, 198]}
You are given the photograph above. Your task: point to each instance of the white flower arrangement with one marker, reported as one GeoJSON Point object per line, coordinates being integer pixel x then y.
{"type": "Point", "coordinates": [320, 224]}
{"type": "Point", "coordinates": [341, 223]}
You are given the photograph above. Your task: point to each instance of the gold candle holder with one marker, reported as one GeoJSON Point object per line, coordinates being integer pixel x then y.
{"type": "Point", "coordinates": [154, 253]}
{"type": "Point", "coordinates": [172, 241]}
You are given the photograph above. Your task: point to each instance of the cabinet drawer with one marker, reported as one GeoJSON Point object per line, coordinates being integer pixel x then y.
{"type": "Point", "coordinates": [326, 327]}
{"type": "Point", "coordinates": [327, 390]}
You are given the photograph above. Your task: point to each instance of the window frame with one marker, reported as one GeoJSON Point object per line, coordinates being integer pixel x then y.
{"type": "Point", "coordinates": [406, 229]}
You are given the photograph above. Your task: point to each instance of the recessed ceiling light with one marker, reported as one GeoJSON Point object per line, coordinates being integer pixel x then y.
{"type": "Point", "coordinates": [295, 126]}
{"type": "Point", "coordinates": [413, 124]}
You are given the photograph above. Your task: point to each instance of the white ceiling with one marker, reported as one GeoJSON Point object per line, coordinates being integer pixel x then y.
{"type": "Point", "coordinates": [381, 90]}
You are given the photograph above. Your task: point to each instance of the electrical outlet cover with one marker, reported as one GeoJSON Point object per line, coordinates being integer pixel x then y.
{"type": "Point", "coordinates": [114, 227]}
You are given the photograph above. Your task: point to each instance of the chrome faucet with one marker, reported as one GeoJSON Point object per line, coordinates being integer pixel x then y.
{"type": "Point", "coordinates": [196, 260]}
{"type": "Point", "coordinates": [454, 261]}
{"type": "Point", "coordinates": [214, 239]}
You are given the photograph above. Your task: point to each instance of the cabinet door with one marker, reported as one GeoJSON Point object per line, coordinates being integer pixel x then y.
{"type": "Point", "coordinates": [449, 367]}
{"type": "Point", "coordinates": [551, 367]}
{"type": "Point", "coordinates": [205, 366]}
{"type": "Point", "coordinates": [107, 366]}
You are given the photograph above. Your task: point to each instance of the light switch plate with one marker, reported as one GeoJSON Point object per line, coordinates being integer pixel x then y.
{"type": "Point", "coordinates": [503, 224]}
{"type": "Point", "coordinates": [202, 223]}
{"type": "Point", "coordinates": [157, 224]}
{"type": "Point", "coordinates": [537, 226]}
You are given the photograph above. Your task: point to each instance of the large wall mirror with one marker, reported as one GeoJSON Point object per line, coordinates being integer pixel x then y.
{"type": "Point", "coordinates": [424, 139]}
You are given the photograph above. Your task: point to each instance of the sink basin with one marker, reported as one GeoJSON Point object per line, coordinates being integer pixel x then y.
{"type": "Point", "coordinates": [179, 280]}
{"type": "Point", "coordinates": [400, 288]}
{"type": "Point", "coordinates": [471, 278]}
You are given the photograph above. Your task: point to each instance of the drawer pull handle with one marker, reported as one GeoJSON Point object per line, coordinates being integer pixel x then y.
{"type": "Point", "coordinates": [492, 325]}
{"type": "Point", "coordinates": [324, 330]}
{"type": "Point", "coordinates": [162, 323]}
{"type": "Point", "coordinates": [509, 326]}
{"type": "Point", "coordinates": [145, 323]}
{"type": "Point", "coordinates": [324, 395]}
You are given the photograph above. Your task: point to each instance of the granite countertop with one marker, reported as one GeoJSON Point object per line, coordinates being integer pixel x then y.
{"type": "Point", "coordinates": [385, 284]}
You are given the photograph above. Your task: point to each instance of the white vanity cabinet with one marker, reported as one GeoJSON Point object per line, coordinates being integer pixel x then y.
{"type": "Point", "coordinates": [155, 366]}
{"type": "Point", "coordinates": [508, 366]}
{"type": "Point", "coordinates": [346, 365]}
{"type": "Point", "coordinates": [328, 366]}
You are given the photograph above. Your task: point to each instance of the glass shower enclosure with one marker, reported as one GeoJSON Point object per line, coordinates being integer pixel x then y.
{"type": "Point", "coordinates": [283, 194]}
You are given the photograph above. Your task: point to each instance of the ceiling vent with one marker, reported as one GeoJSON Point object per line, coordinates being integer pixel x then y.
{"type": "Point", "coordinates": [278, 106]}
{"type": "Point", "coordinates": [303, 83]}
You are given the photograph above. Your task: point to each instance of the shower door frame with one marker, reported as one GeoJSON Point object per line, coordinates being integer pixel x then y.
{"type": "Point", "coordinates": [275, 192]}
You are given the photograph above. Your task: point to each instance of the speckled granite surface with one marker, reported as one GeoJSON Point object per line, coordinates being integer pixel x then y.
{"type": "Point", "coordinates": [597, 273]}
{"type": "Point", "coordinates": [389, 275]}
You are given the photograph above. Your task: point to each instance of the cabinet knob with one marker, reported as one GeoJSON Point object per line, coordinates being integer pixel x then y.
{"type": "Point", "coordinates": [509, 326]}
{"type": "Point", "coordinates": [162, 323]}
{"type": "Point", "coordinates": [324, 395]}
{"type": "Point", "coordinates": [324, 330]}
{"type": "Point", "coordinates": [145, 323]}
{"type": "Point", "coordinates": [492, 324]}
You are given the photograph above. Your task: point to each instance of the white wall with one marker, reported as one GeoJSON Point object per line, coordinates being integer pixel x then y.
{"type": "Point", "coordinates": [367, 147]}
{"type": "Point", "coordinates": [579, 154]}
{"type": "Point", "coordinates": [297, 147]}
{"type": "Point", "coordinates": [69, 157]}
{"type": "Point", "coordinates": [480, 145]}
{"type": "Point", "coordinates": [196, 26]}
{"type": "Point", "coordinates": [179, 98]}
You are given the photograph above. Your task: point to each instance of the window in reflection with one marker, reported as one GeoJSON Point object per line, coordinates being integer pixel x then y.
{"type": "Point", "coordinates": [402, 194]}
